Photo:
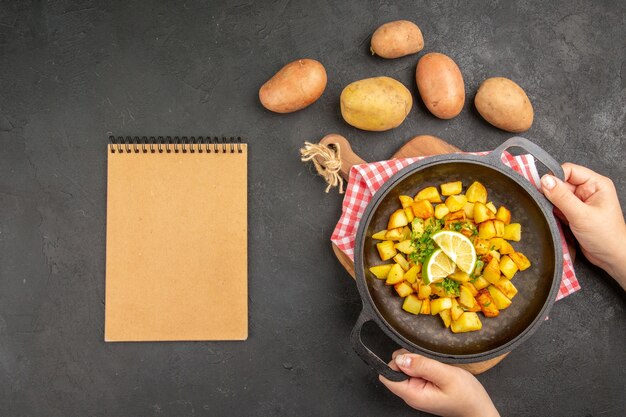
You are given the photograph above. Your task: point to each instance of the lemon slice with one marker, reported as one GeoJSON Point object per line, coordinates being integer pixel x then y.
{"type": "Point", "coordinates": [437, 267]}
{"type": "Point", "coordinates": [458, 248]}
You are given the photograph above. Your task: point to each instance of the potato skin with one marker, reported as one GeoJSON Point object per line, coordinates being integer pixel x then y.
{"type": "Point", "coordinates": [504, 104]}
{"type": "Point", "coordinates": [375, 104]}
{"type": "Point", "coordinates": [440, 85]}
{"type": "Point", "coordinates": [396, 39]}
{"type": "Point", "coordinates": [296, 86]}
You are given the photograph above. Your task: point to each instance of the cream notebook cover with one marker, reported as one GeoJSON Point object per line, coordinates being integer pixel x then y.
{"type": "Point", "coordinates": [176, 241]}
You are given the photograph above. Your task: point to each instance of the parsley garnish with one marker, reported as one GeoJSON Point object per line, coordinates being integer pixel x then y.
{"type": "Point", "coordinates": [451, 286]}
{"type": "Point", "coordinates": [423, 241]}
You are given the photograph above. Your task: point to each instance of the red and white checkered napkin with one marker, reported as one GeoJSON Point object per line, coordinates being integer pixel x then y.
{"type": "Point", "coordinates": [366, 179]}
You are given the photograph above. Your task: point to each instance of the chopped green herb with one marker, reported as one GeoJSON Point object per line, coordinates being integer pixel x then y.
{"type": "Point", "coordinates": [451, 286]}
{"type": "Point", "coordinates": [487, 304]}
{"type": "Point", "coordinates": [457, 227]}
{"type": "Point", "coordinates": [422, 241]}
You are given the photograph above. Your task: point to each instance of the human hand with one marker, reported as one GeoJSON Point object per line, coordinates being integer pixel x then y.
{"type": "Point", "coordinates": [438, 388]}
{"type": "Point", "coordinates": [589, 203]}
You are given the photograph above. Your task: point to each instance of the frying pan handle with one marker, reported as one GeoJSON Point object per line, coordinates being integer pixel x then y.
{"type": "Point", "coordinates": [370, 357]}
{"type": "Point", "coordinates": [540, 154]}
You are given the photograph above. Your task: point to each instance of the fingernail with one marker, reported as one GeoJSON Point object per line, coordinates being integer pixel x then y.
{"type": "Point", "coordinates": [548, 181]}
{"type": "Point", "coordinates": [403, 361]}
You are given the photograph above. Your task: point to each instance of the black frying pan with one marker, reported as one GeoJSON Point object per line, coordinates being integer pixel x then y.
{"type": "Point", "coordinates": [537, 285]}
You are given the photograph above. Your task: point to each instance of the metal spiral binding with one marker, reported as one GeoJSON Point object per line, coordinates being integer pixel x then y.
{"type": "Point", "coordinates": [176, 144]}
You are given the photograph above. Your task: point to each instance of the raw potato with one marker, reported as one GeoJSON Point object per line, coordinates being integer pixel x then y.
{"type": "Point", "coordinates": [396, 39]}
{"type": "Point", "coordinates": [297, 85]}
{"type": "Point", "coordinates": [504, 104]}
{"type": "Point", "coordinates": [440, 85]}
{"type": "Point", "coordinates": [375, 104]}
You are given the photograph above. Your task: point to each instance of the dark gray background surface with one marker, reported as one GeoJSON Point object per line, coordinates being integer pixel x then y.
{"type": "Point", "coordinates": [71, 73]}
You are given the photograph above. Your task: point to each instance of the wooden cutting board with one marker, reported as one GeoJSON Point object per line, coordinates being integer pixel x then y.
{"type": "Point", "coordinates": [423, 145]}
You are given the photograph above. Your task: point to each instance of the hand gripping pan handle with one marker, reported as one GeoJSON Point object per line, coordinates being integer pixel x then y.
{"type": "Point", "coordinates": [541, 155]}
{"type": "Point", "coordinates": [380, 366]}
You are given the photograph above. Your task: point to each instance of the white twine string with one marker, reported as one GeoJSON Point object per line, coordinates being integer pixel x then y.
{"type": "Point", "coordinates": [327, 162]}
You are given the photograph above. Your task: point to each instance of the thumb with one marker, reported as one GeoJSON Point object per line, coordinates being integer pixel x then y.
{"type": "Point", "coordinates": [425, 368]}
{"type": "Point", "coordinates": [562, 197]}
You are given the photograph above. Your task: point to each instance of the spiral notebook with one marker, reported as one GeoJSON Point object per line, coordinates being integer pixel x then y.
{"type": "Point", "coordinates": [176, 243]}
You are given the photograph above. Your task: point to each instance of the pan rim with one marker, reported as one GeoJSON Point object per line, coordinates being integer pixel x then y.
{"type": "Point", "coordinates": [369, 306]}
